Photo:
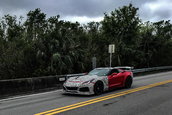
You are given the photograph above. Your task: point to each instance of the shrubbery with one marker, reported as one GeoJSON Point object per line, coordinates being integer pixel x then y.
{"type": "Point", "coordinates": [40, 46]}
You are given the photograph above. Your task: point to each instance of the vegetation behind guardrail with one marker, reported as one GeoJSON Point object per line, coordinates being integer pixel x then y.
{"type": "Point", "coordinates": [42, 46]}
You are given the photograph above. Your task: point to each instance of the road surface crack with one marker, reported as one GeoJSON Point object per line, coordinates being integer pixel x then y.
{"type": "Point", "coordinates": [107, 104]}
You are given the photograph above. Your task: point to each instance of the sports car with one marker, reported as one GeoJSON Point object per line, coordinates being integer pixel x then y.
{"type": "Point", "coordinates": [98, 80]}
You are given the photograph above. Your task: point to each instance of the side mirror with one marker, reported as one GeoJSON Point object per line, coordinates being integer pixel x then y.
{"type": "Point", "coordinates": [123, 71]}
{"type": "Point", "coordinates": [62, 79]}
{"type": "Point", "coordinates": [114, 74]}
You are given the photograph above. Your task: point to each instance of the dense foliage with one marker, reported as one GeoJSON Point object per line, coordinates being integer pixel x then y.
{"type": "Point", "coordinates": [40, 46]}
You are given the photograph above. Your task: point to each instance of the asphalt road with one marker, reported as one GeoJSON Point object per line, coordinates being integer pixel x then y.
{"type": "Point", "coordinates": [141, 99]}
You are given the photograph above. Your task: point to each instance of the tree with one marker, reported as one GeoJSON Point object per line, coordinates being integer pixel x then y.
{"type": "Point", "coordinates": [121, 27]}
{"type": "Point", "coordinates": [41, 46]}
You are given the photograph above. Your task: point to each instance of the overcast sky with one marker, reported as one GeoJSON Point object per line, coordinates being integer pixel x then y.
{"type": "Point", "coordinates": [85, 11]}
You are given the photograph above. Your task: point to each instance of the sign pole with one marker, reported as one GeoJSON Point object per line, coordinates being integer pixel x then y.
{"type": "Point", "coordinates": [94, 62]}
{"type": "Point", "coordinates": [110, 59]}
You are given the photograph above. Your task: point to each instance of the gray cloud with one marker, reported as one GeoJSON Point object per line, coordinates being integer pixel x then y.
{"type": "Point", "coordinates": [10, 5]}
{"type": "Point", "coordinates": [88, 8]}
{"type": "Point", "coordinates": [156, 10]}
{"type": "Point", "coordinates": [91, 8]}
{"type": "Point", "coordinates": [163, 13]}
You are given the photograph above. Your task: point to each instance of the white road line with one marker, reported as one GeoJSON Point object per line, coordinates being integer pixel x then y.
{"type": "Point", "coordinates": [29, 95]}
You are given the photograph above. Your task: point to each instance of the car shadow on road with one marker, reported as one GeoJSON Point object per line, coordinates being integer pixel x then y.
{"type": "Point", "coordinates": [115, 90]}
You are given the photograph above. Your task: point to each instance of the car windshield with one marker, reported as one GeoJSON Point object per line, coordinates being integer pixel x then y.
{"type": "Point", "coordinates": [99, 72]}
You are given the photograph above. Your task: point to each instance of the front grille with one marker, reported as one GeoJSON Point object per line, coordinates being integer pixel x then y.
{"type": "Point", "coordinates": [71, 88]}
{"type": "Point", "coordinates": [84, 89]}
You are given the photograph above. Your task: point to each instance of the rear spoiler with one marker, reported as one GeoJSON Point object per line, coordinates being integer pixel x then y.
{"type": "Point", "coordinates": [125, 68]}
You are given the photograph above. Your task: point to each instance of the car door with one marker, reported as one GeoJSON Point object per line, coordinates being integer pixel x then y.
{"type": "Point", "coordinates": [115, 78]}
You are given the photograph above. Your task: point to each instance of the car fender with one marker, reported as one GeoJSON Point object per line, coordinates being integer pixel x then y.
{"type": "Point", "coordinates": [127, 74]}
{"type": "Point", "coordinates": [103, 79]}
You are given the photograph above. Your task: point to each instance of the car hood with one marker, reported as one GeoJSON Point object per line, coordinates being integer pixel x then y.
{"type": "Point", "coordinates": [82, 78]}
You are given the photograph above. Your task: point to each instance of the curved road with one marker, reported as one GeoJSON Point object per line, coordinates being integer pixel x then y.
{"type": "Point", "coordinates": [150, 94]}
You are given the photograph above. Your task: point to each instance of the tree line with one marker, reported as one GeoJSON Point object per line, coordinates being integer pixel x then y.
{"type": "Point", "coordinates": [41, 46]}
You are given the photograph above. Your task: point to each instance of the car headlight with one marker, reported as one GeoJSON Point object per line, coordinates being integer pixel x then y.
{"type": "Point", "coordinates": [89, 81]}
{"type": "Point", "coordinates": [65, 82]}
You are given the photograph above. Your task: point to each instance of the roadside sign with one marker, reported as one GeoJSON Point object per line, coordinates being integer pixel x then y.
{"type": "Point", "coordinates": [112, 48]}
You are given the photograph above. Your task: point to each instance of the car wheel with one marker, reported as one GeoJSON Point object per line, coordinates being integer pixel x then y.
{"type": "Point", "coordinates": [98, 88]}
{"type": "Point", "coordinates": [128, 82]}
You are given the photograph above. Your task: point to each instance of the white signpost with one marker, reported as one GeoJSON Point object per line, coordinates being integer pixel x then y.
{"type": "Point", "coordinates": [111, 50]}
{"type": "Point", "coordinates": [94, 62]}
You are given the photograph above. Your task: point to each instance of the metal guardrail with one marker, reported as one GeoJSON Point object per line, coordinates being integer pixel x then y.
{"type": "Point", "coordinates": [151, 69]}
{"type": "Point", "coordinates": [142, 70]}
{"type": "Point", "coordinates": [16, 86]}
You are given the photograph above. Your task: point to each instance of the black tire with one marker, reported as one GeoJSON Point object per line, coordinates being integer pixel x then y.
{"type": "Point", "coordinates": [128, 82]}
{"type": "Point", "coordinates": [98, 88]}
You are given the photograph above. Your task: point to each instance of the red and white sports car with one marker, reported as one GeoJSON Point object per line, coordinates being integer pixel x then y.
{"type": "Point", "coordinates": [99, 80]}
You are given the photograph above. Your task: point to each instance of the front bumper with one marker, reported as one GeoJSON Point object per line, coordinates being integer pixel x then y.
{"type": "Point", "coordinates": [82, 90]}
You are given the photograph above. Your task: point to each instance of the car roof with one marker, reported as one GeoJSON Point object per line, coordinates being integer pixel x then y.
{"type": "Point", "coordinates": [105, 68]}
{"type": "Point", "coordinates": [124, 67]}
{"type": "Point", "coordinates": [118, 67]}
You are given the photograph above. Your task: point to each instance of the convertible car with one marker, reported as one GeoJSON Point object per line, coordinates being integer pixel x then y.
{"type": "Point", "coordinates": [98, 80]}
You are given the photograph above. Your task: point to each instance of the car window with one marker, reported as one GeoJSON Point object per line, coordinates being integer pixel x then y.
{"type": "Point", "coordinates": [113, 71]}
{"type": "Point", "coordinates": [99, 72]}
{"type": "Point", "coordinates": [121, 70]}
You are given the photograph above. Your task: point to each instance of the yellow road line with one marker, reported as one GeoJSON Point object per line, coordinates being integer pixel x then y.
{"type": "Point", "coordinates": [80, 104]}
{"type": "Point", "coordinates": [77, 103]}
